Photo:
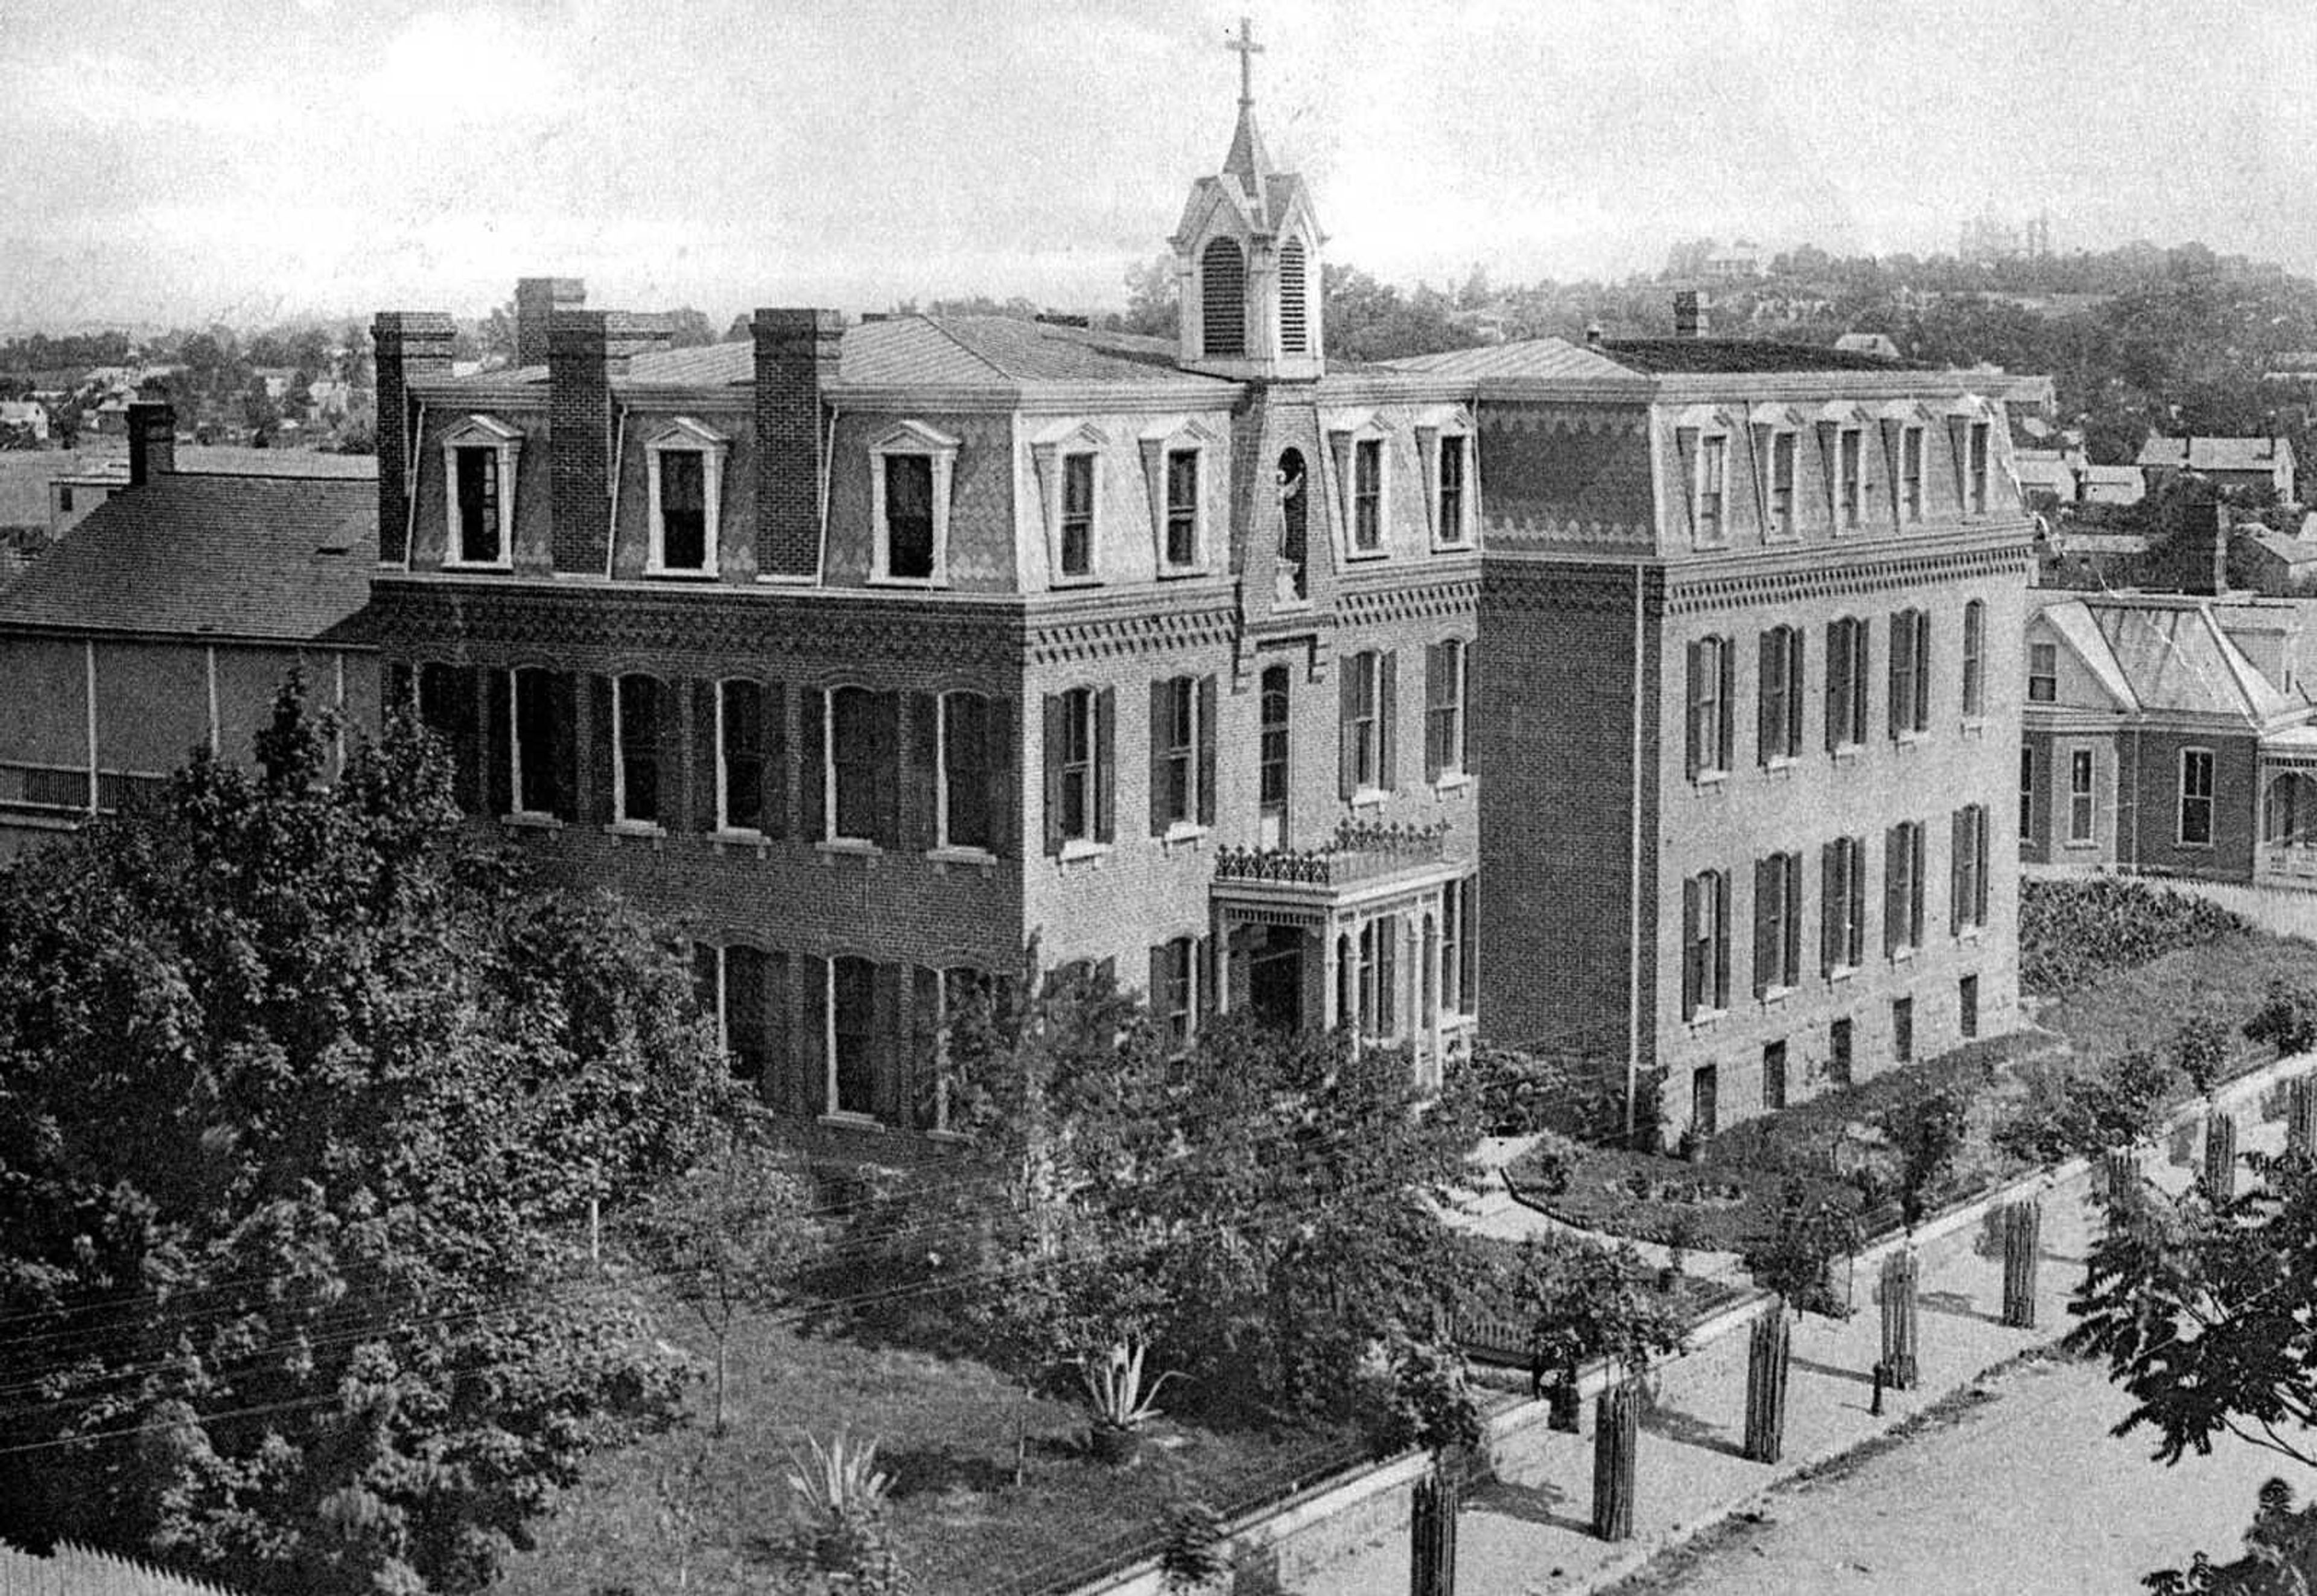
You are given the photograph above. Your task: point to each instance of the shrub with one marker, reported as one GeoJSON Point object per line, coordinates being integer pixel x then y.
{"type": "Point", "coordinates": [1518, 1092]}
{"type": "Point", "coordinates": [2287, 1020]}
{"type": "Point", "coordinates": [2071, 932]}
{"type": "Point", "coordinates": [2200, 1050]}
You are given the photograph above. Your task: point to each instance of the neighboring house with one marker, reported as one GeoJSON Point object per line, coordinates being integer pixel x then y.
{"type": "Point", "coordinates": [27, 417]}
{"type": "Point", "coordinates": [1878, 344]}
{"type": "Point", "coordinates": [168, 619]}
{"type": "Point", "coordinates": [877, 652]}
{"type": "Point", "coordinates": [2228, 462]}
{"type": "Point", "coordinates": [2167, 734]}
{"type": "Point", "coordinates": [1737, 263]}
{"type": "Point", "coordinates": [2059, 472]}
{"type": "Point", "coordinates": [2276, 561]}
{"type": "Point", "coordinates": [2114, 484]}
{"type": "Point", "coordinates": [72, 495]}
{"type": "Point", "coordinates": [1744, 717]}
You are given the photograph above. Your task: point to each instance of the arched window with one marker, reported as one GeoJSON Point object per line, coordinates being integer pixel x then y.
{"type": "Point", "coordinates": [1293, 336]}
{"type": "Point", "coordinates": [1222, 298]}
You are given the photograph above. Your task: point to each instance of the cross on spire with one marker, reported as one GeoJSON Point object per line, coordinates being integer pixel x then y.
{"type": "Point", "coordinates": [1247, 50]}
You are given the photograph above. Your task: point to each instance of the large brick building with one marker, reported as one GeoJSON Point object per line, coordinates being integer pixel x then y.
{"type": "Point", "coordinates": [872, 653]}
{"type": "Point", "coordinates": [1747, 617]}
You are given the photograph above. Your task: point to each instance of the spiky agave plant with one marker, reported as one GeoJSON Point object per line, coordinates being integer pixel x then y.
{"type": "Point", "coordinates": [1113, 1382]}
{"type": "Point", "coordinates": [842, 1494]}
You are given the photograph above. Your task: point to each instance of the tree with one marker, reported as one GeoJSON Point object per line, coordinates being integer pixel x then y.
{"type": "Point", "coordinates": [2206, 1313]}
{"type": "Point", "coordinates": [2280, 1558]}
{"type": "Point", "coordinates": [1154, 298]}
{"type": "Point", "coordinates": [1583, 1301]}
{"type": "Point", "coordinates": [731, 1235]}
{"type": "Point", "coordinates": [1794, 1258]}
{"type": "Point", "coordinates": [303, 1093]}
{"type": "Point", "coordinates": [1927, 1133]}
{"type": "Point", "coordinates": [2071, 1114]}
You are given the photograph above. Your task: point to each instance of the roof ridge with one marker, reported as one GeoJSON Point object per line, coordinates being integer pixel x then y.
{"type": "Point", "coordinates": [941, 326]}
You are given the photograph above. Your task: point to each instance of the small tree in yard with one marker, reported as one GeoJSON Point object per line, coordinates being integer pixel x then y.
{"type": "Point", "coordinates": [1795, 1259]}
{"type": "Point", "coordinates": [2083, 1114]}
{"type": "Point", "coordinates": [1582, 1301]}
{"type": "Point", "coordinates": [732, 1234]}
{"type": "Point", "coordinates": [2287, 1019]}
{"type": "Point", "coordinates": [2206, 1314]}
{"type": "Point", "coordinates": [1927, 1133]}
{"type": "Point", "coordinates": [2200, 1050]}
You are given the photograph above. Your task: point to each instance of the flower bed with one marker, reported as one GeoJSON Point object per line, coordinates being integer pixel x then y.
{"type": "Point", "coordinates": [2073, 932]}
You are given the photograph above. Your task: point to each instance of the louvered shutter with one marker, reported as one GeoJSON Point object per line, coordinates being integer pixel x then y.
{"type": "Point", "coordinates": [1838, 667]}
{"type": "Point", "coordinates": [706, 750]}
{"type": "Point", "coordinates": [1856, 950]}
{"type": "Point", "coordinates": [1830, 908]}
{"type": "Point", "coordinates": [1003, 772]}
{"type": "Point", "coordinates": [1791, 955]}
{"type": "Point", "coordinates": [1161, 696]}
{"type": "Point", "coordinates": [1894, 906]}
{"type": "Point", "coordinates": [1206, 810]}
{"type": "Point", "coordinates": [1436, 670]}
{"type": "Point", "coordinates": [498, 743]}
{"type": "Point", "coordinates": [563, 743]}
{"type": "Point", "coordinates": [1388, 720]}
{"type": "Point", "coordinates": [1986, 866]}
{"type": "Point", "coordinates": [1768, 716]}
{"type": "Point", "coordinates": [1722, 939]}
{"type": "Point", "coordinates": [1203, 961]}
{"type": "Point", "coordinates": [1105, 764]}
{"type": "Point", "coordinates": [1056, 741]}
{"type": "Point", "coordinates": [1915, 886]}
{"type": "Point", "coordinates": [812, 763]}
{"type": "Point", "coordinates": [1690, 969]}
{"type": "Point", "coordinates": [1347, 762]}
{"type": "Point", "coordinates": [923, 1060]}
{"type": "Point", "coordinates": [1693, 719]}
{"type": "Point", "coordinates": [889, 1059]}
{"type": "Point", "coordinates": [1728, 653]}
{"type": "Point", "coordinates": [1467, 696]}
{"type": "Point", "coordinates": [1958, 876]}
{"type": "Point", "coordinates": [781, 1086]}
{"type": "Point", "coordinates": [1795, 679]}
{"type": "Point", "coordinates": [1901, 701]}
{"type": "Point", "coordinates": [920, 804]}
{"type": "Point", "coordinates": [1765, 952]}
{"type": "Point", "coordinates": [1922, 671]}
{"type": "Point", "coordinates": [602, 708]}
{"type": "Point", "coordinates": [1154, 996]}
{"type": "Point", "coordinates": [810, 1076]}
{"type": "Point", "coordinates": [773, 820]}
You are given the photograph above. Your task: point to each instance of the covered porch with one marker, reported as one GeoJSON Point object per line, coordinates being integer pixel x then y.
{"type": "Point", "coordinates": [1374, 931]}
{"type": "Point", "coordinates": [2287, 851]}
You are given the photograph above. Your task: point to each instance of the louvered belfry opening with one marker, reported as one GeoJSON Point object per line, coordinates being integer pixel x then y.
{"type": "Point", "coordinates": [1293, 337]}
{"type": "Point", "coordinates": [1222, 298]}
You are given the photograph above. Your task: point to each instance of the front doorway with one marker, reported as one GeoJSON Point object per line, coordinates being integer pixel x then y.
{"type": "Point", "coordinates": [1275, 977]}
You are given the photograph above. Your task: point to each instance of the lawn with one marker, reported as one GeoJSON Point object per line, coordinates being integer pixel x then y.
{"type": "Point", "coordinates": [947, 1431]}
{"type": "Point", "coordinates": [2143, 1006]}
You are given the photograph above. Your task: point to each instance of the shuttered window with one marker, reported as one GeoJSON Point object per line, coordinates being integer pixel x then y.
{"type": "Point", "coordinates": [1222, 299]}
{"type": "Point", "coordinates": [1294, 328]}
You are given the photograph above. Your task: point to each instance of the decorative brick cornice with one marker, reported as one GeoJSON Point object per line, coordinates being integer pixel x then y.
{"type": "Point", "coordinates": [709, 628]}
{"type": "Point", "coordinates": [1881, 571]}
{"type": "Point", "coordinates": [1405, 601]}
{"type": "Point", "coordinates": [1071, 639]}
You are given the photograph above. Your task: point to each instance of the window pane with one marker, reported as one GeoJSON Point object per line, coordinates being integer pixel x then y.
{"type": "Point", "coordinates": [478, 505]}
{"type": "Point", "coordinates": [683, 509]}
{"type": "Point", "coordinates": [965, 730]}
{"type": "Point", "coordinates": [1452, 490]}
{"type": "Point", "coordinates": [854, 743]}
{"type": "Point", "coordinates": [539, 738]}
{"type": "Point", "coordinates": [1183, 506]}
{"type": "Point", "coordinates": [1077, 515]}
{"type": "Point", "coordinates": [639, 714]}
{"type": "Point", "coordinates": [1367, 493]}
{"type": "Point", "coordinates": [853, 1030]}
{"type": "Point", "coordinates": [909, 515]}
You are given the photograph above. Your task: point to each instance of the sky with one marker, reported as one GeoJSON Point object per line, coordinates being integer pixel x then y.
{"type": "Point", "coordinates": [249, 160]}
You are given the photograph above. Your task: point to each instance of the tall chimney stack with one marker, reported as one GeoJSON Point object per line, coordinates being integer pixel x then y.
{"type": "Point", "coordinates": [1688, 314]}
{"type": "Point", "coordinates": [796, 355]}
{"type": "Point", "coordinates": [536, 301]}
{"type": "Point", "coordinates": [586, 349]}
{"type": "Point", "coordinates": [412, 347]}
{"type": "Point", "coordinates": [152, 441]}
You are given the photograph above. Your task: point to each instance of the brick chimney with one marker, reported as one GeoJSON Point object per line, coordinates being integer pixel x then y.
{"type": "Point", "coordinates": [2203, 540]}
{"type": "Point", "coordinates": [797, 354]}
{"type": "Point", "coordinates": [536, 300]}
{"type": "Point", "coordinates": [412, 347]}
{"type": "Point", "coordinates": [152, 441]}
{"type": "Point", "coordinates": [586, 350]}
{"type": "Point", "coordinates": [1688, 314]}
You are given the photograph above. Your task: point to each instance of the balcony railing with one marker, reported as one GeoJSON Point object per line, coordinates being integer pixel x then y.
{"type": "Point", "coordinates": [1358, 853]}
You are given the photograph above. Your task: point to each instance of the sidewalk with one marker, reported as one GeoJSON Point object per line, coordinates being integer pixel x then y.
{"type": "Point", "coordinates": [1489, 1210]}
{"type": "Point", "coordinates": [1528, 1535]}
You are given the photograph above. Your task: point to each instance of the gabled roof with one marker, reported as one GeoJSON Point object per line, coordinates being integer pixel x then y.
{"type": "Point", "coordinates": [278, 559]}
{"type": "Point", "coordinates": [2215, 453]}
{"type": "Point", "coordinates": [1528, 358]}
{"type": "Point", "coordinates": [2170, 655]}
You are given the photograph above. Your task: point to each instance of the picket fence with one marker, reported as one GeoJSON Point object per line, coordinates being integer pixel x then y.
{"type": "Point", "coordinates": [75, 1571]}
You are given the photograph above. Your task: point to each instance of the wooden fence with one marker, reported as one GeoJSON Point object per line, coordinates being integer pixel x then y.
{"type": "Point", "coordinates": [75, 1571]}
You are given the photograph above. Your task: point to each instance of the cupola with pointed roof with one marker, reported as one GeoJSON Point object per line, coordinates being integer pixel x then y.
{"type": "Point", "coordinates": [1246, 254]}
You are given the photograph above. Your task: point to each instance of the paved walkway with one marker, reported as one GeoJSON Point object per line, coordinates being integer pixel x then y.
{"type": "Point", "coordinates": [1490, 1210]}
{"type": "Point", "coordinates": [1529, 1536]}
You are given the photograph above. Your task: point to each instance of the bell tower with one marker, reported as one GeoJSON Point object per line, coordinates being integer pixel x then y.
{"type": "Point", "coordinates": [1246, 256]}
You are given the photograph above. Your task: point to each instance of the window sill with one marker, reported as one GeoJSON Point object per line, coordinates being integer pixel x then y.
{"type": "Point", "coordinates": [1904, 956]}
{"type": "Point", "coordinates": [1776, 997]}
{"type": "Point", "coordinates": [877, 580]}
{"type": "Point", "coordinates": [1450, 783]}
{"type": "Point", "coordinates": [1183, 834]}
{"type": "Point", "coordinates": [501, 565]}
{"type": "Point", "coordinates": [980, 858]}
{"type": "Point", "coordinates": [1357, 553]}
{"type": "Point", "coordinates": [1079, 850]}
{"type": "Point", "coordinates": [1460, 546]}
{"type": "Point", "coordinates": [1908, 740]}
{"type": "Point", "coordinates": [1369, 797]}
{"type": "Point", "coordinates": [1705, 1020]}
{"type": "Point", "coordinates": [2081, 843]}
{"type": "Point", "coordinates": [1841, 972]}
{"type": "Point", "coordinates": [2197, 847]}
{"type": "Point", "coordinates": [1970, 935]}
{"type": "Point", "coordinates": [1973, 726]}
{"type": "Point", "coordinates": [1066, 582]}
{"type": "Point", "coordinates": [1847, 753]}
{"type": "Point", "coordinates": [1779, 767]}
{"type": "Point", "coordinates": [1709, 781]}
{"type": "Point", "coordinates": [678, 574]}
{"type": "Point", "coordinates": [853, 1122]}
{"type": "Point", "coordinates": [739, 837]}
{"type": "Point", "coordinates": [530, 820]}
{"type": "Point", "coordinates": [1175, 573]}
{"type": "Point", "coordinates": [849, 848]}
{"type": "Point", "coordinates": [645, 828]}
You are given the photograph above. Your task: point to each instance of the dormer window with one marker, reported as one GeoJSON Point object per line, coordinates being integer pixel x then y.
{"type": "Point", "coordinates": [1709, 492]}
{"type": "Point", "coordinates": [1359, 441]}
{"type": "Point", "coordinates": [1367, 496]}
{"type": "Point", "coordinates": [685, 466]}
{"type": "Point", "coordinates": [1069, 480]}
{"type": "Point", "coordinates": [1175, 460]}
{"type": "Point", "coordinates": [909, 493]}
{"type": "Point", "coordinates": [1784, 452]}
{"type": "Point", "coordinates": [478, 457]}
{"type": "Point", "coordinates": [1448, 492]}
